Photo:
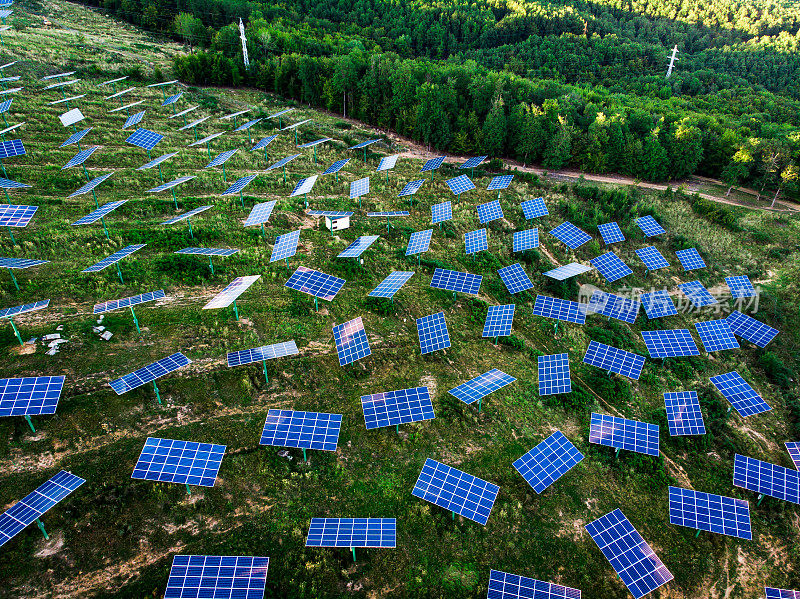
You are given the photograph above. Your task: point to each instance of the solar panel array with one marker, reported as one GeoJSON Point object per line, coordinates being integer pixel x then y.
{"type": "Point", "coordinates": [548, 461]}
{"type": "Point", "coordinates": [172, 99]}
{"type": "Point", "coordinates": [670, 343]}
{"type": "Point", "coordinates": [282, 162]}
{"type": "Point", "coordinates": [567, 271]}
{"type": "Point", "coordinates": [432, 332]}
{"type": "Point", "coordinates": [215, 576]}
{"type": "Point", "coordinates": [554, 377]}
{"type": "Point", "coordinates": [766, 478]}
{"type": "Point", "coordinates": [476, 241]}
{"type": "Point", "coordinates": [391, 284]}
{"type": "Point", "coordinates": [127, 302]}
{"type": "Point", "coordinates": [503, 585]}
{"type": "Point", "coordinates": [559, 309]}
{"type": "Point", "coordinates": [239, 185]}
{"type": "Point", "coordinates": [716, 335]}
{"type": "Point", "coordinates": [611, 233]}
{"type": "Point", "coordinates": [115, 257]}
{"type": "Point", "coordinates": [697, 294]}
{"type": "Point", "coordinates": [96, 215]}
{"type": "Point", "coordinates": [388, 213]}
{"type": "Point", "coordinates": [265, 352]}
{"type": "Point", "coordinates": [658, 304]}
{"type": "Point", "coordinates": [441, 212]}
{"type": "Point", "coordinates": [515, 278]}
{"type": "Point", "coordinates": [315, 283]}
{"type": "Point", "coordinates": [649, 226]}
{"type": "Point", "coordinates": [364, 144]}
{"type": "Point", "coordinates": [714, 513]}
{"type": "Point", "coordinates": [260, 213]}
{"type": "Point", "coordinates": [248, 124]}
{"type": "Point", "coordinates": [391, 408]}
{"type": "Point", "coordinates": [333, 214]}
{"type": "Point", "coordinates": [86, 188]}
{"type": "Point", "coordinates": [285, 246]}
{"type": "Point", "coordinates": [460, 184]}
{"type": "Point", "coordinates": [181, 462]}
{"type": "Point", "coordinates": [684, 415]}
{"type": "Point", "coordinates": [352, 532]}
{"type": "Point", "coordinates": [144, 138]}
{"type": "Point", "coordinates": [12, 215]}
{"type": "Point", "coordinates": [525, 240]}
{"type": "Point", "coordinates": [453, 280]}
{"type": "Point", "coordinates": [481, 386]}
{"type": "Point", "coordinates": [234, 289]}
{"type": "Point", "coordinates": [432, 164]}
{"type": "Point", "coordinates": [690, 259]}
{"type": "Point", "coordinates": [80, 157]}
{"type": "Point", "coordinates": [149, 373]}
{"type": "Point", "coordinates": [156, 161]}
{"type": "Point", "coordinates": [652, 258]}
{"type": "Point", "coordinates": [351, 341]}
{"type": "Point", "coordinates": [499, 321]}
{"type": "Point", "coordinates": [302, 430]}
{"type": "Point", "coordinates": [614, 360]}
{"type": "Point", "coordinates": [457, 491]}
{"type": "Point", "coordinates": [747, 327]}
{"type": "Point", "coordinates": [9, 312]}
{"type": "Point", "coordinates": [739, 392]}
{"type": "Point", "coordinates": [740, 286]}
{"type": "Point", "coordinates": [613, 306]}
{"type": "Point", "coordinates": [75, 137]}
{"type": "Point", "coordinates": [534, 208]}
{"type": "Point", "coordinates": [611, 267]}
{"type": "Point", "coordinates": [30, 395]}
{"type": "Point", "coordinates": [359, 187]}
{"type": "Point", "coordinates": [570, 235]}
{"type": "Point", "coordinates": [499, 182]}
{"type": "Point", "coordinates": [358, 247]}
{"type": "Point", "coordinates": [489, 211]}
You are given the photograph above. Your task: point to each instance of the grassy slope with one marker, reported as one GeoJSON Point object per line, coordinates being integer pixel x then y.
{"type": "Point", "coordinates": [116, 536]}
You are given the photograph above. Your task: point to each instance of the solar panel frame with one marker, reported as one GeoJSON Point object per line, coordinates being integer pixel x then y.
{"type": "Point", "coordinates": [548, 461]}
{"type": "Point", "coordinates": [304, 186]}
{"type": "Point", "coordinates": [684, 416]}
{"type": "Point", "coordinates": [411, 188]}
{"type": "Point", "coordinates": [554, 374]}
{"type": "Point", "coordinates": [623, 433]}
{"type": "Point", "coordinates": [233, 115]}
{"type": "Point", "coordinates": [180, 462]}
{"type": "Point", "coordinates": [489, 211]}
{"type": "Point", "coordinates": [740, 394]}
{"type": "Point", "coordinates": [525, 240]}
{"type": "Point", "coordinates": [301, 430]}
{"type": "Point", "coordinates": [456, 281]}
{"type": "Point", "coordinates": [747, 327]}
{"type": "Point", "coordinates": [570, 235]}
{"type": "Point", "coordinates": [285, 246]}
{"type": "Point", "coordinates": [740, 287]}
{"type": "Point", "coordinates": [716, 335]}
{"type": "Point", "coordinates": [20, 263]}
{"type": "Point", "coordinates": [5, 105]}
{"type": "Point", "coordinates": [238, 185]}
{"type": "Point", "coordinates": [264, 142]}
{"type": "Point", "coordinates": [144, 138]}
{"type": "Point", "coordinates": [432, 164]}
{"type": "Point", "coordinates": [260, 213]}
{"type": "Point", "coordinates": [359, 246]}
{"type": "Point", "coordinates": [352, 532]}
{"type": "Point", "coordinates": [460, 184]}
{"type": "Point", "coordinates": [473, 162]}
{"type": "Point", "coordinates": [391, 284]}
{"type": "Point", "coordinates": [697, 294]}
{"type": "Point", "coordinates": [503, 585]}
{"type": "Point", "coordinates": [614, 359]}
{"type": "Point", "coordinates": [16, 215]}
{"type": "Point", "coordinates": [260, 354]}
{"type": "Point", "coordinates": [127, 302]}
{"type": "Point", "coordinates": [231, 292]}
{"type": "Point", "coordinates": [75, 137]}
{"type": "Point", "coordinates": [24, 308]}
{"type": "Point", "coordinates": [156, 161]}
{"type": "Point", "coordinates": [658, 304]}
{"type": "Point", "coordinates": [482, 385]}
{"type": "Point", "coordinates": [611, 233]}
{"type": "Point", "coordinates": [101, 212]}
{"type": "Point", "coordinates": [766, 479]}
{"type": "Point", "coordinates": [559, 309]}
{"type": "Point", "coordinates": [441, 212]}
{"type": "Point", "coordinates": [315, 283]}
{"type": "Point", "coordinates": [649, 226]}
{"type": "Point", "coordinates": [709, 512]}
{"type": "Point", "coordinates": [134, 119]}
{"type": "Point", "coordinates": [115, 257]}
{"type": "Point", "coordinates": [387, 163]}
{"type": "Point", "coordinates": [149, 373]}
{"type": "Point", "coordinates": [476, 241]}
{"type": "Point", "coordinates": [455, 490]}
{"type": "Point", "coordinates": [30, 396]}
{"type": "Point", "coordinates": [125, 107]}
{"type": "Point", "coordinates": [359, 187]}
{"type": "Point", "coordinates": [243, 577]}
{"type": "Point", "coordinates": [499, 321]}
{"type": "Point", "coordinates": [670, 343]}
{"type": "Point", "coordinates": [690, 259]}
{"type": "Point", "coordinates": [652, 258]}
{"type": "Point", "coordinates": [499, 182]}
{"type": "Point", "coordinates": [118, 94]}
{"type": "Point", "coordinates": [534, 208]}
{"type": "Point", "coordinates": [775, 593]}
{"type": "Point", "coordinates": [515, 279]}
{"type": "Point", "coordinates": [336, 166]}
{"type": "Point", "coordinates": [391, 408]}
{"type": "Point", "coordinates": [351, 341]}
{"type": "Point", "coordinates": [562, 273]}
{"type": "Point", "coordinates": [432, 332]}
{"type": "Point", "coordinates": [611, 267]}
{"type": "Point", "coordinates": [187, 215]}
{"type": "Point", "coordinates": [221, 158]}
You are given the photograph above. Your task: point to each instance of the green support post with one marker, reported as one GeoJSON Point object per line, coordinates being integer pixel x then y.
{"type": "Point", "coordinates": [174, 199]}
{"type": "Point", "coordinates": [454, 515]}
{"type": "Point", "coordinates": [160, 174]}
{"type": "Point", "coordinates": [697, 534]}
{"type": "Point", "coordinates": [211, 265]}
{"type": "Point", "coordinates": [13, 278]}
{"type": "Point", "coordinates": [284, 175]}
{"type": "Point", "coordinates": [241, 199]}
{"type": "Point", "coordinates": [189, 221]}
{"type": "Point", "coordinates": [315, 154]}
{"type": "Point", "coordinates": [208, 149]}
{"type": "Point", "coordinates": [10, 232]}
{"type": "Point", "coordinates": [224, 176]}
{"type": "Point", "coordinates": [365, 154]}
{"type": "Point", "coordinates": [41, 527]}
{"type": "Point", "coordinates": [616, 454]}
{"type": "Point", "coordinates": [280, 126]}
{"type": "Point", "coordinates": [96, 203]}
{"type": "Point", "coordinates": [387, 224]}
{"type": "Point", "coordinates": [266, 157]}
{"type": "Point", "coordinates": [760, 499]}
{"type": "Point", "coordinates": [16, 331]}
{"type": "Point", "coordinates": [30, 422]}
{"type": "Point", "coordinates": [287, 265]}
{"type": "Point", "coordinates": [235, 310]}
{"type": "Point", "coordinates": [263, 234]}
{"type": "Point", "coordinates": [480, 405]}
{"type": "Point", "coordinates": [495, 341]}
{"type": "Point", "coordinates": [316, 304]}
{"type": "Point", "coordinates": [305, 459]}
{"type": "Point", "coordinates": [136, 321]}
{"type": "Point", "coordinates": [266, 376]}
{"type": "Point", "coordinates": [119, 272]}
{"type": "Point", "coordinates": [85, 172]}
{"type": "Point", "coordinates": [353, 549]}
{"type": "Point", "coordinates": [188, 489]}
{"type": "Point", "coordinates": [454, 296]}
{"type": "Point", "coordinates": [397, 428]}
{"type": "Point", "coordinates": [158, 395]}
{"type": "Point", "coordinates": [105, 229]}
{"type": "Point", "coordinates": [295, 136]}
{"type": "Point", "coordinates": [387, 176]}
{"type": "Point", "coordinates": [148, 155]}
{"type": "Point", "coordinates": [4, 119]}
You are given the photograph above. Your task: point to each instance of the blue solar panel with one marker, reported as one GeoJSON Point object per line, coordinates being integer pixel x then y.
{"type": "Point", "coordinates": [411, 188]}
{"type": "Point", "coordinates": [500, 182]}
{"type": "Point", "coordinates": [86, 188]}
{"type": "Point", "coordinates": [457, 491]}
{"type": "Point", "coordinates": [697, 294]}
{"type": "Point", "coordinates": [260, 213]}
{"type": "Point", "coordinates": [282, 162]}
{"type": "Point", "coordinates": [460, 184]}
{"type": "Point", "coordinates": [96, 215]}
{"type": "Point", "coordinates": [186, 215]}
{"type": "Point", "coordinates": [20, 263]}
{"type": "Point", "coordinates": [613, 306]}
{"type": "Point", "coordinates": [9, 312]}
{"type": "Point", "coordinates": [144, 139]}
{"type": "Point", "coordinates": [12, 215]}
{"type": "Point", "coordinates": [534, 208]}
{"type": "Point", "coordinates": [793, 450]}
{"type": "Point", "coordinates": [473, 162]}
{"type": "Point", "coordinates": [171, 184]}
{"type": "Point", "coordinates": [453, 280]}
{"type": "Point", "coordinates": [773, 593]}
{"type": "Point", "coordinates": [388, 213]}
{"type": "Point", "coordinates": [156, 161]}
{"type": "Point", "coordinates": [315, 283]}
{"type": "Point", "coordinates": [441, 212]}
{"type": "Point", "coordinates": [481, 386]}
{"type": "Point", "coordinates": [359, 188]}
{"type": "Point", "coordinates": [303, 430]}
{"type": "Point", "coordinates": [690, 259]}
{"type": "Point", "coordinates": [351, 341]}
{"type": "Point", "coordinates": [432, 332]}
{"type": "Point", "coordinates": [684, 416]}
{"type": "Point", "coordinates": [134, 119]}
{"type": "Point", "coordinates": [213, 576]}
{"type": "Point", "coordinates": [75, 138]}
{"type": "Point", "coordinates": [548, 461]}
{"type": "Point", "coordinates": [391, 284]}
{"type": "Point", "coordinates": [259, 354]}
{"type": "Point", "coordinates": [754, 331]}
{"type": "Point", "coordinates": [611, 233]}
{"type": "Point", "coordinates": [611, 267]}
{"type": "Point", "coordinates": [714, 513]}
{"type": "Point", "coordinates": [525, 240]}
{"type": "Point", "coordinates": [476, 241]}
{"type": "Point", "coordinates": [739, 392]}
{"type": "Point", "coordinates": [670, 343]}
{"type": "Point", "coordinates": [740, 287]}
{"type": "Point", "coordinates": [554, 376]}
{"type": "Point", "coordinates": [631, 557]}
{"type": "Point", "coordinates": [515, 278]}
{"type": "Point", "coordinates": [114, 258]}
{"type": "Point", "coordinates": [149, 373]}
{"type": "Point", "coordinates": [221, 158]}
{"type": "Point", "coordinates": [614, 360]}
{"type": "Point", "coordinates": [333, 214]}
{"type": "Point", "coordinates": [387, 163]}
{"type": "Point", "coordinates": [432, 164]}
{"type": "Point", "coordinates": [562, 273]}
{"type": "Point", "coordinates": [172, 99]}
{"type": "Point", "coordinates": [649, 226]}
{"type": "Point", "coordinates": [4, 106]}
{"type": "Point", "coordinates": [358, 247]}
{"type": "Point", "coordinates": [499, 321]}
{"type": "Point", "coordinates": [30, 395]}
{"type": "Point", "coordinates": [559, 309]}
{"type": "Point", "coordinates": [363, 144]}
{"type": "Point", "coordinates": [503, 585]}
{"type": "Point", "coordinates": [238, 185]}
{"type": "Point", "coordinates": [716, 335]}
{"type": "Point", "coordinates": [285, 246]}
{"type": "Point", "coordinates": [207, 251]}
{"type": "Point", "coordinates": [352, 532]}
{"type": "Point", "coordinates": [127, 302]}
{"type": "Point", "coordinates": [622, 433]}
{"type": "Point", "coordinates": [248, 124]}
{"type": "Point", "coordinates": [390, 408]}
{"type": "Point", "coordinates": [570, 235]}
{"type": "Point", "coordinates": [263, 143]}
{"type": "Point", "coordinates": [34, 505]}
{"type": "Point", "coordinates": [11, 148]}
{"type": "Point", "coordinates": [80, 157]}
{"type": "Point", "coordinates": [231, 293]}
{"type": "Point", "coordinates": [658, 304]}
{"type": "Point", "coordinates": [652, 258]}
{"type": "Point", "coordinates": [181, 462]}
{"type": "Point", "coordinates": [304, 186]}
{"type": "Point", "coordinates": [489, 211]}
{"type": "Point", "coordinates": [766, 478]}
{"type": "Point", "coordinates": [336, 167]}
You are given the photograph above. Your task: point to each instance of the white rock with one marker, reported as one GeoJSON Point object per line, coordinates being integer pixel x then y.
{"type": "Point", "coordinates": [51, 336]}
{"type": "Point", "coordinates": [107, 335]}
{"type": "Point", "coordinates": [52, 351]}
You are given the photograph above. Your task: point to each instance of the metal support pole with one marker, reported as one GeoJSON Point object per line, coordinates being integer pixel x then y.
{"type": "Point", "coordinates": [480, 405]}
{"type": "Point", "coordinates": [96, 203]}
{"type": "Point", "coordinates": [266, 157]}
{"type": "Point", "coordinates": [148, 155]}
{"type": "Point", "coordinates": [397, 428]}
{"type": "Point", "coordinates": [41, 527]}
{"type": "Point", "coordinates": [263, 234]}
{"type": "Point", "coordinates": [266, 376]}
{"type": "Point", "coordinates": [284, 175]}
{"type": "Point", "coordinates": [295, 136]}
{"type": "Point", "coordinates": [616, 454]}
{"type": "Point", "coordinates": [85, 172]}
{"type": "Point", "coordinates": [174, 199]}
{"type": "Point", "coordinates": [241, 199]}
{"type": "Point", "coordinates": [119, 272]}
{"type": "Point", "coordinates": [13, 278]}
{"type": "Point", "coordinates": [235, 310]}
{"type": "Point", "coordinates": [365, 154]}
{"type": "Point", "coordinates": [158, 395]}
{"type": "Point", "coordinates": [189, 221]}
{"type": "Point", "coordinates": [136, 321]}
{"type": "Point", "coordinates": [316, 304]}
{"type": "Point", "coordinates": [188, 490]}
{"type": "Point", "coordinates": [30, 422]}
{"type": "Point", "coordinates": [760, 499]}
{"type": "Point", "coordinates": [211, 265]}
{"type": "Point", "coordinates": [315, 154]}
{"type": "Point", "coordinates": [16, 331]}
{"type": "Point", "coordinates": [105, 229]}
{"type": "Point", "coordinates": [305, 459]}
{"type": "Point", "coordinates": [697, 534]}
{"type": "Point", "coordinates": [224, 176]}
{"type": "Point", "coordinates": [353, 549]}
{"type": "Point", "coordinates": [454, 515]}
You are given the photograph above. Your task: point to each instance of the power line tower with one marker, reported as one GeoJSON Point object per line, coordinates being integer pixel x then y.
{"type": "Point", "coordinates": [244, 44]}
{"type": "Point", "coordinates": [672, 60]}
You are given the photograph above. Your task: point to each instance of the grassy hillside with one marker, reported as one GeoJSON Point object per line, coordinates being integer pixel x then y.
{"type": "Point", "coordinates": [116, 536]}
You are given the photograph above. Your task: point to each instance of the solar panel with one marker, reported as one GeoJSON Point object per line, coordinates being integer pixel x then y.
{"type": "Point", "coordinates": [358, 247]}
{"type": "Point", "coordinates": [282, 162]}
{"type": "Point", "coordinates": [265, 352]}
{"type": "Point", "coordinates": [9, 312]}
{"type": "Point", "coordinates": [611, 233]}
{"type": "Point", "coordinates": [309, 144]}
{"type": "Point", "coordinates": [432, 164]}
{"type": "Point", "coordinates": [238, 185]}
{"type": "Point", "coordinates": [20, 263]}
{"type": "Point", "coordinates": [172, 99]}
{"type": "Point", "coordinates": [163, 83]}
{"type": "Point", "coordinates": [390, 408]}
{"type": "Point", "coordinates": [14, 90]}
{"type": "Point", "coordinates": [534, 208]}
{"type": "Point", "coordinates": [96, 215]}
{"type": "Point", "coordinates": [754, 331]}
{"type": "Point", "coordinates": [86, 188]}
{"type": "Point", "coordinates": [58, 85]}
{"type": "Point", "coordinates": [554, 376]}
{"type": "Point", "coordinates": [221, 158]}
{"type": "Point", "coordinates": [766, 479]}
{"type": "Point", "coordinates": [489, 211]}
{"type": "Point", "coordinates": [684, 416]}
{"type": "Point", "coordinates": [207, 252]}
{"type": "Point", "coordinates": [670, 343]}
{"type": "Point", "coordinates": [697, 294]}
{"type": "Point", "coordinates": [118, 94]}
{"type": "Point", "coordinates": [658, 304]}
{"type": "Point", "coordinates": [115, 257]}
{"type": "Point", "coordinates": [614, 360]}
{"type": "Point", "coordinates": [387, 163]}
{"type": "Point", "coordinates": [649, 226]}
{"type": "Point", "coordinates": [280, 113]}
{"type": "Point", "coordinates": [690, 259]}
{"type": "Point", "coordinates": [611, 267]}
{"type": "Point", "coordinates": [71, 117]}
{"type": "Point", "coordinates": [149, 373]}
{"type": "Point", "coordinates": [499, 321]}
{"type": "Point", "coordinates": [127, 302]}
{"type": "Point", "coordinates": [503, 585]}
{"type": "Point", "coordinates": [30, 396]}
{"type": "Point", "coordinates": [9, 184]}
{"type": "Point", "coordinates": [181, 462]}
{"type": "Point", "coordinates": [473, 162]}
{"type": "Point", "coordinates": [336, 166]}
{"type": "Point", "coordinates": [156, 161]}
{"type": "Point", "coordinates": [304, 186]}
{"type": "Point", "coordinates": [500, 182]}
{"type": "Point", "coordinates": [351, 341]}
{"type": "Point", "coordinates": [481, 386]}
{"type": "Point", "coordinates": [567, 271]}
{"type": "Point", "coordinates": [352, 532]}
{"type": "Point", "coordinates": [234, 289]}
{"type": "Point", "coordinates": [248, 124]}
{"type": "Point", "coordinates": [525, 240]}
{"type": "Point", "coordinates": [453, 280]}
{"type": "Point", "coordinates": [31, 507]}
{"type": "Point", "coordinates": [333, 214]}
{"type": "Point", "coordinates": [359, 188]}
{"type": "Point", "coordinates": [740, 287]}
{"type": "Point", "coordinates": [548, 461]}
{"type": "Point", "coordinates": [143, 138]}
{"type": "Point", "coordinates": [233, 115]}
{"type": "Point", "coordinates": [315, 283]}
{"type": "Point", "coordinates": [632, 558]}
{"type": "Point", "coordinates": [773, 593]}
{"type": "Point", "coordinates": [716, 335]}
{"type": "Point", "coordinates": [186, 215]}
{"type": "Point", "coordinates": [613, 306]}
{"type": "Point", "coordinates": [411, 188]}
{"type": "Point", "coordinates": [303, 430]}
{"type": "Point", "coordinates": [260, 213]}
{"type": "Point", "coordinates": [134, 119]}
{"type": "Point", "coordinates": [460, 184]}
{"type": "Point", "coordinates": [57, 75]}
{"type": "Point", "coordinates": [204, 140]}
{"type": "Point", "coordinates": [622, 433]}
{"type": "Point", "coordinates": [80, 157]}
{"type": "Point", "coordinates": [285, 246]}
{"type": "Point", "coordinates": [739, 392]}
{"type": "Point", "coordinates": [515, 278]}
{"type": "Point", "coordinates": [217, 576]}
{"type": "Point", "coordinates": [364, 144]}
{"type": "Point", "coordinates": [570, 235]}
{"type": "Point", "coordinates": [263, 143]}
{"type": "Point", "coordinates": [793, 449]}
{"type": "Point", "coordinates": [125, 107]}
{"type": "Point", "coordinates": [441, 212]}
{"type": "Point", "coordinates": [171, 184]}
{"type": "Point", "coordinates": [391, 284]}
{"type": "Point", "coordinates": [388, 213]}
{"type": "Point", "coordinates": [295, 125]}
{"type": "Point", "coordinates": [559, 309]}
{"type": "Point", "coordinates": [432, 332]}
{"type": "Point", "coordinates": [5, 106]}
{"type": "Point", "coordinates": [457, 491]}
{"type": "Point", "coordinates": [476, 241]}
{"type": "Point", "coordinates": [652, 258]}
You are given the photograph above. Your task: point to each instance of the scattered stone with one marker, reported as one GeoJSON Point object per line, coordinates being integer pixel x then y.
{"type": "Point", "coordinates": [284, 454]}
{"type": "Point", "coordinates": [52, 351]}
{"type": "Point", "coordinates": [51, 336]}
{"type": "Point", "coordinates": [60, 327]}
{"type": "Point", "coordinates": [98, 329]}
{"type": "Point", "coordinates": [107, 335]}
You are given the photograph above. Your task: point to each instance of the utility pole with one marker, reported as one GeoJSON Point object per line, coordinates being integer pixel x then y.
{"type": "Point", "coordinates": [244, 45]}
{"type": "Point", "coordinates": [672, 60]}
